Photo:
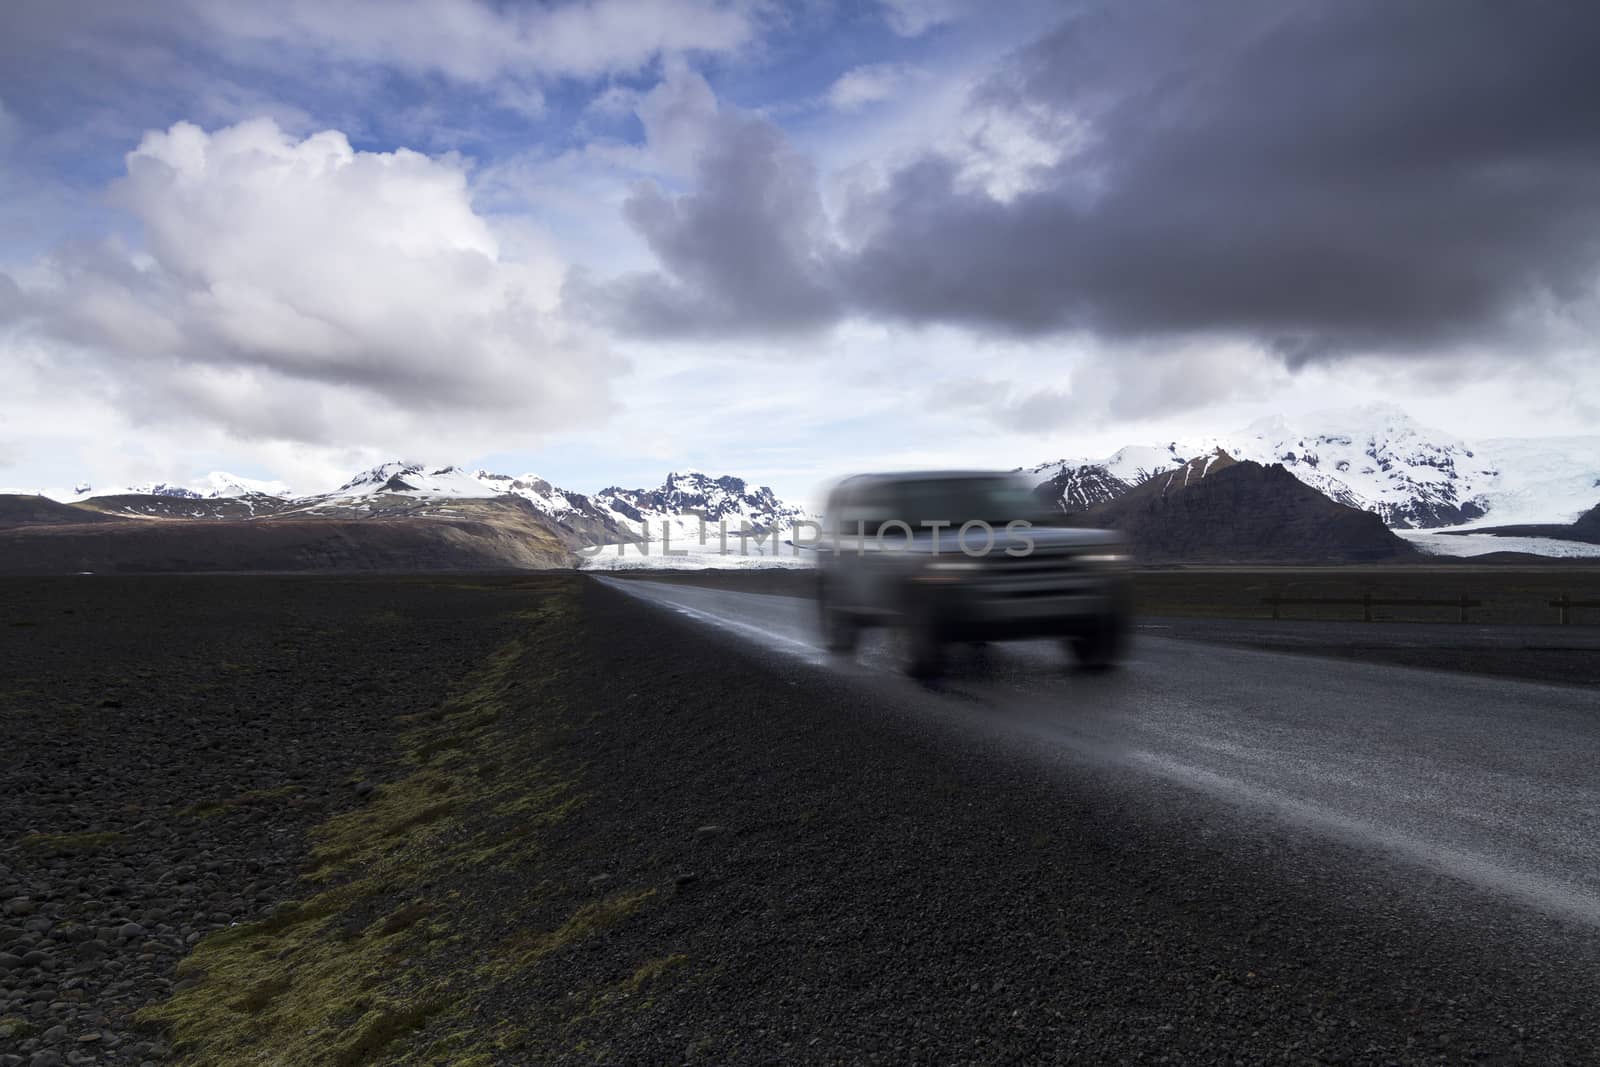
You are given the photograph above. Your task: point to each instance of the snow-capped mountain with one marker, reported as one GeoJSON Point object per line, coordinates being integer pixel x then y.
{"type": "Point", "coordinates": [1378, 459]}
{"type": "Point", "coordinates": [705, 519]}
{"type": "Point", "coordinates": [691, 492]}
{"type": "Point", "coordinates": [683, 493]}
{"type": "Point", "coordinates": [1374, 458]}
{"type": "Point", "coordinates": [79, 491]}
{"type": "Point", "coordinates": [1078, 485]}
{"type": "Point", "coordinates": [156, 489]}
{"type": "Point", "coordinates": [222, 484]}
{"type": "Point", "coordinates": [690, 504]}
{"type": "Point", "coordinates": [413, 479]}
{"type": "Point", "coordinates": [1219, 509]}
{"type": "Point", "coordinates": [217, 485]}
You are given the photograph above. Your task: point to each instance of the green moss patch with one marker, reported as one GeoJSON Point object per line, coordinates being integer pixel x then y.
{"type": "Point", "coordinates": [290, 990]}
{"type": "Point", "coordinates": [585, 922]}
{"type": "Point", "coordinates": [651, 970]}
{"type": "Point", "coordinates": [378, 963]}
{"type": "Point", "coordinates": [85, 841]}
{"type": "Point", "coordinates": [206, 809]}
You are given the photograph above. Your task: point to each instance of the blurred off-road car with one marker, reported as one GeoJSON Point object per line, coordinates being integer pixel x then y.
{"type": "Point", "coordinates": [966, 557]}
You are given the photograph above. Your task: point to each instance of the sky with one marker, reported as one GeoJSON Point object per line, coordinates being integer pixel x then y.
{"type": "Point", "coordinates": [603, 240]}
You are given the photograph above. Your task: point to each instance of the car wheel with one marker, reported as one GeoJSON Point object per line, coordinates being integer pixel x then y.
{"type": "Point", "coordinates": [840, 631]}
{"type": "Point", "coordinates": [1102, 644]}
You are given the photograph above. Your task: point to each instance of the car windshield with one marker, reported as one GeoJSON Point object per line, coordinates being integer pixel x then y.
{"type": "Point", "coordinates": [996, 501]}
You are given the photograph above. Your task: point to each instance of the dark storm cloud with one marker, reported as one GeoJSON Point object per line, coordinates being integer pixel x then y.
{"type": "Point", "coordinates": [1324, 177]}
{"type": "Point", "coordinates": [744, 252]}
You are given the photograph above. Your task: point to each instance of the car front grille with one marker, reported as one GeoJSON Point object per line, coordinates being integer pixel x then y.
{"type": "Point", "coordinates": [1038, 574]}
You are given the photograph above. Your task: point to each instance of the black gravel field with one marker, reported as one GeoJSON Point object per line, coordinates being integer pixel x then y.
{"type": "Point", "coordinates": [528, 820]}
{"type": "Point", "coordinates": [170, 744]}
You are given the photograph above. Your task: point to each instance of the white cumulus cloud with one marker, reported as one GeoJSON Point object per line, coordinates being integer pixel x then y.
{"type": "Point", "coordinates": [867, 84]}
{"type": "Point", "coordinates": [474, 41]}
{"type": "Point", "coordinates": [912, 18]}
{"type": "Point", "coordinates": [362, 283]}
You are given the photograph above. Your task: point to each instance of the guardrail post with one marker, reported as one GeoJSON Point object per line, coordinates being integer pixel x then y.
{"type": "Point", "coordinates": [1275, 600]}
{"type": "Point", "coordinates": [1463, 608]}
{"type": "Point", "coordinates": [1366, 607]}
{"type": "Point", "coordinates": [1564, 605]}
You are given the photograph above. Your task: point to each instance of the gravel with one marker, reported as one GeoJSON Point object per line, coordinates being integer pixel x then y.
{"type": "Point", "coordinates": [170, 743]}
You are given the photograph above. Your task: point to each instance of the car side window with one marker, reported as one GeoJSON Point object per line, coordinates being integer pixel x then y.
{"type": "Point", "coordinates": [861, 504]}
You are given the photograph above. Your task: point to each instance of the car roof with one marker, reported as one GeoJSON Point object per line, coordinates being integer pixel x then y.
{"type": "Point", "coordinates": [925, 476]}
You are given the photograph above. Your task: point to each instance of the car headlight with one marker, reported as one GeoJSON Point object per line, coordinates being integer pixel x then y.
{"type": "Point", "coordinates": [1104, 559]}
{"type": "Point", "coordinates": [947, 571]}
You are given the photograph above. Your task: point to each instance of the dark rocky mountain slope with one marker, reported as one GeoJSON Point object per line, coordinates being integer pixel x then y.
{"type": "Point", "coordinates": [18, 510]}
{"type": "Point", "coordinates": [1214, 509]}
{"type": "Point", "coordinates": [473, 535]}
{"type": "Point", "coordinates": [1078, 488]}
{"type": "Point", "coordinates": [175, 506]}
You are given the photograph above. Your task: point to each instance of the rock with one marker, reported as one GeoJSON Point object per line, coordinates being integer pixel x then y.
{"type": "Point", "coordinates": [55, 1033]}
{"type": "Point", "coordinates": [365, 789]}
{"type": "Point", "coordinates": [129, 931]}
{"type": "Point", "coordinates": [711, 831]}
{"type": "Point", "coordinates": [8, 962]}
{"type": "Point", "coordinates": [19, 906]}
{"type": "Point", "coordinates": [46, 1058]}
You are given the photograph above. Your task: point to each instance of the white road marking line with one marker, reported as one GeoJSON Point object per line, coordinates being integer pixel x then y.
{"type": "Point", "coordinates": [1536, 890]}
{"type": "Point", "coordinates": [794, 646]}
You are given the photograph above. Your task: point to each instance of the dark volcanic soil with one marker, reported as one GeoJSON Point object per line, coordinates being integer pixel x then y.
{"type": "Point", "coordinates": [169, 744]}
{"type": "Point", "coordinates": [624, 839]}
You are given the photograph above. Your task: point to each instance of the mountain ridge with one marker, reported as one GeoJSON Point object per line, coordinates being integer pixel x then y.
{"type": "Point", "coordinates": [1376, 458]}
{"type": "Point", "coordinates": [1221, 510]}
{"type": "Point", "coordinates": [401, 489]}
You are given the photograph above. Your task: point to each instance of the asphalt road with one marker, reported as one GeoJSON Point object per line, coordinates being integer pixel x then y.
{"type": "Point", "coordinates": [1466, 791]}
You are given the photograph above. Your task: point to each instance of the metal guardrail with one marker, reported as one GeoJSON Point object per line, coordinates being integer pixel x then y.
{"type": "Point", "coordinates": [1366, 601]}
{"type": "Point", "coordinates": [1463, 603]}
{"type": "Point", "coordinates": [1566, 604]}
